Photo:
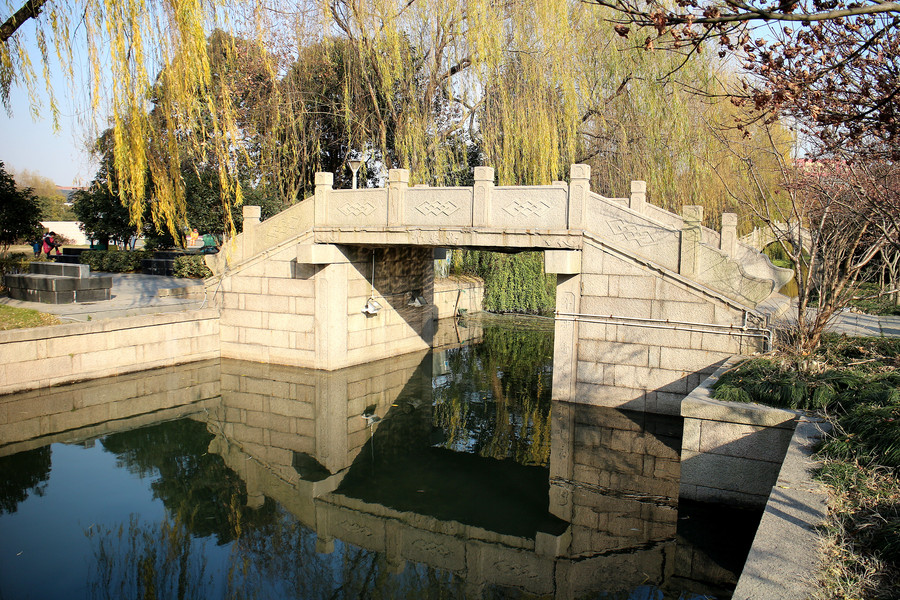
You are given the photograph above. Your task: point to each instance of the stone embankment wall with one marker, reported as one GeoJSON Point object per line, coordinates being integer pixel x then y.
{"type": "Point", "coordinates": [731, 452]}
{"type": "Point", "coordinates": [307, 310]}
{"type": "Point", "coordinates": [47, 356]}
{"type": "Point", "coordinates": [630, 335]}
{"type": "Point", "coordinates": [454, 293]}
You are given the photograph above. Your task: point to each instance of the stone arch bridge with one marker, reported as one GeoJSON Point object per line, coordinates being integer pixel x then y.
{"type": "Point", "coordinates": [648, 302]}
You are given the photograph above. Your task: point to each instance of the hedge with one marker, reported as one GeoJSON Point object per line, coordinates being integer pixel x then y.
{"type": "Point", "coordinates": [114, 261]}
{"type": "Point", "coordinates": [191, 265]}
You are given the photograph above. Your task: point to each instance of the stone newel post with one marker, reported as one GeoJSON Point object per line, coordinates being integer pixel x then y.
{"type": "Point", "coordinates": [251, 221]}
{"type": "Point", "coordinates": [324, 183]}
{"type": "Point", "coordinates": [579, 186]}
{"type": "Point", "coordinates": [638, 196]}
{"type": "Point", "coordinates": [481, 200]}
{"type": "Point", "coordinates": [728, 235]}
{"type": "Point", "coordinates": [398, 183]}
{"type": "Point", "coordinates": [690, 240]}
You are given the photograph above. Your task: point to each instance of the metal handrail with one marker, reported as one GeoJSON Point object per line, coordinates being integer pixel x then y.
{"type": "Point", "coordinates": [692, 326]}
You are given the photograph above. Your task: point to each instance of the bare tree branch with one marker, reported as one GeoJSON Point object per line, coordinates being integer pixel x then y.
{"type": "Point", "coordinates": [30, 10]}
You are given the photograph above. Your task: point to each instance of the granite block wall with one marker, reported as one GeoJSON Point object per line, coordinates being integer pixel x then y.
{"type": "Point", "coordinates": [46, 356]}
{"type": "Point", "coordinates": [639, 337]}
{"type": "Point", "coordinates": [279, 310]}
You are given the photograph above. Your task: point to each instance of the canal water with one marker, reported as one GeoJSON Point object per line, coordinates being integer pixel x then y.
{"type": "Point", "coordinates": [445, 474]}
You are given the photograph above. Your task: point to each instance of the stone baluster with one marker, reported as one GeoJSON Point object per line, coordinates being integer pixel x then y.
{"type": "Point", "coordinates": [690, 240]}
{"type": "Point", "coordinates": [638, 196]}
{"type": "Point", "coordinates": [251, 221]}
{"type": "Point", "coordinates": [579, 186]}
{"type": "Point", "coordinates": [324, 184]}
{"type": "Point", "coordinates": [398, 183]}
{"type": "Point", "coordinates": [481, 199]}
{"type": "Point", "coordinates": [728, 235]}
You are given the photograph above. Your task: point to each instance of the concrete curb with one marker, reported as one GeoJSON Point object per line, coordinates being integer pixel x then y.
{"type": "Point", "coordinates": [783, 560]}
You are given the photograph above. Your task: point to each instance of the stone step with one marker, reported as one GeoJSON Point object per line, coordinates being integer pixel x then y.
{"type": "Point", "coordinates": [775, 306]}
{"type": "Point", "coordinates": [57, 283]}
{"type": "Point", "coordinates": [50, 297]}
{"type": "Point", "coordinates": [60, 269]}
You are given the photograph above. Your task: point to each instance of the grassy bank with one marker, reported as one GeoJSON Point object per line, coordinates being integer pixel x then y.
{"type": "Point", "coordinates": [18, 318]}
{"type": "Point", "coordinates": [855, 384]}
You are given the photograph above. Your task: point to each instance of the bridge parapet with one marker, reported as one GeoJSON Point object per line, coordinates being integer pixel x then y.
{"type": "Point", "coordinates": [483, 205]}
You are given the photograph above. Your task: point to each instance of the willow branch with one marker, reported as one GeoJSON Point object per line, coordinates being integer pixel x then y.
{"type": "Point", "coordinates": [30, 10]}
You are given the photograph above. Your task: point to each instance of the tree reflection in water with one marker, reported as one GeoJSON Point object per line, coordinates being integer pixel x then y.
{"type": "Point", "coordinates": [496, 401]}
{"type": "Point", "coordinates": [23, 474]}
{"type": "Point", "coordinates": [265, 552]}
{"type": "Point", "coordinates": [147, 560]}
{"type": "Point", "coordinates": [284, 559]}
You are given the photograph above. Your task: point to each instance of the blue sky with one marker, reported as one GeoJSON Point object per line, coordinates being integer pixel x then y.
{"type": "Point", "coordinates": [29, 144]}
{"type": "Point", "coordinates": [32, 145]}
{"type": "Point", "coordinates": [26, 143]}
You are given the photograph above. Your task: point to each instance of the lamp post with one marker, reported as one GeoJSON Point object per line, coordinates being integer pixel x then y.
{"type": "Point", "coordinates": [355, 164]}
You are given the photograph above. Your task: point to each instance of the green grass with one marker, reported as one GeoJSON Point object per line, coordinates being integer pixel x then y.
{"type": "Point", "coordinates": [866, 299]}
{"type": "Point", "coordinates": [19, 318]}
{"type": "Point", "coordinates": [855, 384]}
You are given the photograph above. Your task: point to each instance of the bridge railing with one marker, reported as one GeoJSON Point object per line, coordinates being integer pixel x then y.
{"type": "Point", "coordinates": [543, 207]}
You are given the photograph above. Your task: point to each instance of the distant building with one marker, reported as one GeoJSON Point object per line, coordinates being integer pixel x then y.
{"type": "Point", "coordinates": [70, 229]}
{"type": "Point", "coordinates": [68, 191]}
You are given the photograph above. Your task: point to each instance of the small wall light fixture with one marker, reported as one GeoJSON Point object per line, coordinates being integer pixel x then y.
{"type": "Point", "coordinates": [372, 306]}
{"type": "Point", "coordinates": [416, 300]}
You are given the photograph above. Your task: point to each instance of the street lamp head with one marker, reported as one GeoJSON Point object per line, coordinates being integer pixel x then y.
{"type": "Point", "coordinates": [355, 164]}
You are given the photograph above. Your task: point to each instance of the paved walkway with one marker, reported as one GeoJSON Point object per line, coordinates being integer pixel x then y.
{"type": "Point", "coordinates": [853, 323]}
{"type": "Point", "coordinates": [132, 294]}
{"type": "Point", "coordinates": [138, 294]}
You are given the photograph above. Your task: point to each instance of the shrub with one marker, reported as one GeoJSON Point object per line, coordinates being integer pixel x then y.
{"type": "Point", "coordinates": [93, 259]}
{"type": "Point", "coordinates": [13, 263]}
{"type": "Point", "coordinates": [114, 261]}
{"type": "Point", "coordinates": [118, 261]}
{"type": "Point", "coordinates": [191, 266]}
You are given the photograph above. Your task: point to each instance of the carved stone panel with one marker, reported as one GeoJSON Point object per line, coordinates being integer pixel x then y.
{"type": "Point", "coordinates": [443, 207]}
{"type": "Point", "coordinates": [358, 207]}
{"type": "Point", "coordinates": [535, 207]}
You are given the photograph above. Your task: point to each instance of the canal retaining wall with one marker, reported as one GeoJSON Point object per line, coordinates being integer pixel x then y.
{"type": "Point", "coordinates": [41, 357]}
{"type": "Point", "coordinates": [631, 335]}
{"type": "Point", "coordinates": [452, 294]}
{"type": "Point", "coordinates": [731, 452]}
{"type": "Point", "coordinates": [784, 560]}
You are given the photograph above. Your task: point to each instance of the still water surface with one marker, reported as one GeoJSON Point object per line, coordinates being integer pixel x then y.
{"type": "Point", "coordinates": [449, 474]}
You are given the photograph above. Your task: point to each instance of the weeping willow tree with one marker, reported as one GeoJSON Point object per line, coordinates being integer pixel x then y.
{"type": "Point", "coordinates": [291, 88]}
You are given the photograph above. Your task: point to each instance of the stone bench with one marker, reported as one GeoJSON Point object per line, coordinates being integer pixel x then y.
{"type": "Point", "coordinates": [69, 256]}
{"type": "Point", "coordinates": [58, 283]}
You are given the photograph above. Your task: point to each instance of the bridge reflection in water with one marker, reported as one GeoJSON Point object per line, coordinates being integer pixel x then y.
{"type": "Point", "coordinates": [449, 473]}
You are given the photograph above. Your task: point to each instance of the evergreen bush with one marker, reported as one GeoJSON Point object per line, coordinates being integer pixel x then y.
{"type": "Point", "coordinates": [191, 266]}
{"type": "Point", "coordinates": [114, 261]}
